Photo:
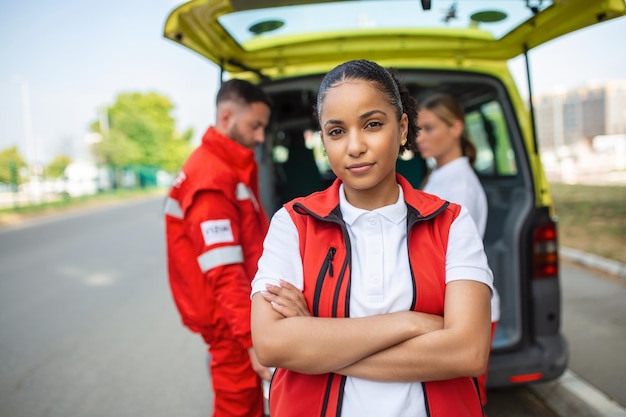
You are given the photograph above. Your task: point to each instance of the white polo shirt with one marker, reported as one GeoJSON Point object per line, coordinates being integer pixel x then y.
{"type": "Point", "coordinates": [381, 283]}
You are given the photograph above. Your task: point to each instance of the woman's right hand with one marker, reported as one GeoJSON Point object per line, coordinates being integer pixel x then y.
{"type": "Point", "coordinates": [286, 299]}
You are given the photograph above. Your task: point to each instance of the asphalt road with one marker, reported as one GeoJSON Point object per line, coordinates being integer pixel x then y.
{"type": "Point", "coordinates": [594, 322]}
{"type": "Point", "coordinates": [88, 327]}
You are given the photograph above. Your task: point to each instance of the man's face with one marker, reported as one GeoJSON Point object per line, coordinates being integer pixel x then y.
{"type": "Point", "coordinates": [248, 123]}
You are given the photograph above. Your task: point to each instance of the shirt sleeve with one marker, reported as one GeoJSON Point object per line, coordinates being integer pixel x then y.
{"type": "Point", "coordinates": [213, 226]}
{"type": "Point", "coordinates": [465, 257]}
{"type": "Point", "coordinates": [281, 255]}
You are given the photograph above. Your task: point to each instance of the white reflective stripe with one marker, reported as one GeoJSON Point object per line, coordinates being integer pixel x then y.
{"type": "Point", "coordinates": [172, 207]}
{"type": "Point", "coordinates": [243, 192]}
{"type": "Point", "coordinates": [254, 202]}
{"type": "Point", "coordinates": [224, 255]}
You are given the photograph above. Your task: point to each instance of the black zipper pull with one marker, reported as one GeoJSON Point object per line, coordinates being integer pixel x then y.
{"type": "Point", "coordinates": [329, 260]}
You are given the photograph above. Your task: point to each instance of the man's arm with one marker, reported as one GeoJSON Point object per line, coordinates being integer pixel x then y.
{"type": "Point", "coordinates": [212, 223]}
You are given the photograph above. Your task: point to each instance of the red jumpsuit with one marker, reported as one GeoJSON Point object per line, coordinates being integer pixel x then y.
{"type": "Point", "coordinates": [215, 226]}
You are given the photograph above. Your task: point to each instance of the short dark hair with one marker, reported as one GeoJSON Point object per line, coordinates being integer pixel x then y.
{"type": "Point", "coordinates": [243, 91]}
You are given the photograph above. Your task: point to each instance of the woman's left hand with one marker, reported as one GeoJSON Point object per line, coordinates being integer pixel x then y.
{"type": "Point", "coordinates": [286, 299]}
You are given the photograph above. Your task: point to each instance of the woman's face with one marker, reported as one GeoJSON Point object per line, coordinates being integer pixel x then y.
{"type": "Point", "coordinates": [362, 137]}
{"type": "Point", "coordinates": [437, 139]}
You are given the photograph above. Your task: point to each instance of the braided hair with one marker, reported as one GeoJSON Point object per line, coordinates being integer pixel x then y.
{"type": "Point", "coordinates": [386, 81]}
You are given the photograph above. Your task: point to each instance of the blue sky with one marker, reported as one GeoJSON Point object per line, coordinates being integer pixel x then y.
{"type": "Point", "coordinates": [70, 57]}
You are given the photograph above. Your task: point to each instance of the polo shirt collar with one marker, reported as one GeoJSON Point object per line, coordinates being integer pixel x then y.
{"type": "Point", "coordinates": [394, 213]}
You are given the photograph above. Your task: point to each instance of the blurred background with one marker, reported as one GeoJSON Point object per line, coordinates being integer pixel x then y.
{"type": "Point", "coordinates": [77, 72]}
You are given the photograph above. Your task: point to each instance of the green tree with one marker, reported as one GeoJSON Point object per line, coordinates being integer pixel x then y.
{"type": "Point", "coordinates": [118, 150]}
{"type": "Point", "coordinates": [176, 152]}
{"type": "Point", "coordinates": [11, 163]}
{"type": "Point", "coordinates": [141, 131]}
{"type": "Point", "coordinates": [56, 168]}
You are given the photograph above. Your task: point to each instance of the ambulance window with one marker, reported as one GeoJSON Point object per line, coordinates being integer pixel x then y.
{"type": "Point", "coordinates": [486, 127]}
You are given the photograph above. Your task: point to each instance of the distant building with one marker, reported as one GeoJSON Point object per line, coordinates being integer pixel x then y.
{"type": "Point", "coordinates": [566, 119]}
{"type": "Point", "coordinates": [582, 134]}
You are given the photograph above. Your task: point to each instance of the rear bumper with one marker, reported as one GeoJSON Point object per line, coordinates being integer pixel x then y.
{"type": "Point", "coordinates": [548, 356]}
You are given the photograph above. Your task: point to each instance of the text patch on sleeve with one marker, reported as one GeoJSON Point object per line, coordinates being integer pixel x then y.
{"type": "Point", "coordinates": [217, 231]}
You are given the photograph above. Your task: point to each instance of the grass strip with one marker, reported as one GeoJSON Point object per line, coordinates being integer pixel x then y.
{"type": "Point", "coordinates": [592, 218]}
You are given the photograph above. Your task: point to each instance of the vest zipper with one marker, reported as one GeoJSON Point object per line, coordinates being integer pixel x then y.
{"type": "Point", "coordinates": [328, 262]}
{"type": "Point", "coordinates": [327, 266]}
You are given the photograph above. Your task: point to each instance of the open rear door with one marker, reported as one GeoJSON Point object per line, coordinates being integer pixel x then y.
{"type": "Point", "coordinates": [260, 35]}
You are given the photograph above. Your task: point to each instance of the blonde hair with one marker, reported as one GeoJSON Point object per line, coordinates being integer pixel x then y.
{"type": "Point", "coordinates": [449, 110]}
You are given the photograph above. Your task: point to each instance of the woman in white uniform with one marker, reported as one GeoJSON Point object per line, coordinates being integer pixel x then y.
{"type": "Point", "coordinates": [443, 138]}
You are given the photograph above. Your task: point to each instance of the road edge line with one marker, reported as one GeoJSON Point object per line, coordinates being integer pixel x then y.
{"type": "Point", "coordinates": [571, 396]}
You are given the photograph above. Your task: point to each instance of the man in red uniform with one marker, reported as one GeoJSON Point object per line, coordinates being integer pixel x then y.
{"type": "Point", "coordinates": [215, 226]}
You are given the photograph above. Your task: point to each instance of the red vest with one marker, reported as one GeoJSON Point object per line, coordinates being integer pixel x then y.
{"type": "Point", "coordinates": [229, 171]}
{"type": "Point", "coordinates": [325, 251]}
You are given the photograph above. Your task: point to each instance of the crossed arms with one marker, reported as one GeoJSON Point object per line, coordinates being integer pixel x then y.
{"type": "Point", "coordinates": [396, 347]}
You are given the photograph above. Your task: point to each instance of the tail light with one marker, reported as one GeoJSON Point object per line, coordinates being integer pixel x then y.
{"type": "Point", "coordinates": [545, 251]}
{"type": "Point", "coordinates": [517, 379]}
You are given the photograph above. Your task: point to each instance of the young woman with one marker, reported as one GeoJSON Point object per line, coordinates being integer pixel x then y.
{"type": "Point", "coordinates": [443, 138]}
{"type": "Point", "coordinates": [371, 298]}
